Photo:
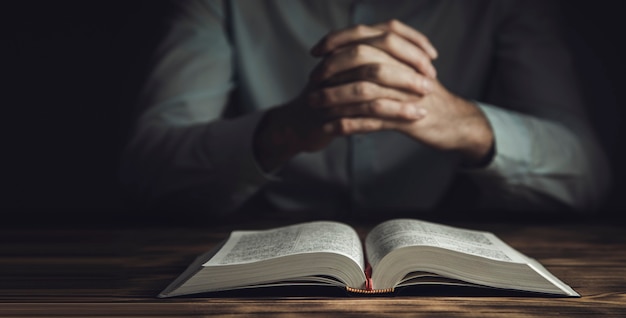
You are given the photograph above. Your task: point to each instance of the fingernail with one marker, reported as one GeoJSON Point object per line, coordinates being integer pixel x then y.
{"type": "Point", "coordinates": [433, 53]}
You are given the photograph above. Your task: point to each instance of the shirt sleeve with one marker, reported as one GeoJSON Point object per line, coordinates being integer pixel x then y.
{"type": "Point", "coordinates": [541, 165]}
{"type": "Point", "coordinates": [182, 145]}
{"type": "Point", "coordinates": [546, 154]}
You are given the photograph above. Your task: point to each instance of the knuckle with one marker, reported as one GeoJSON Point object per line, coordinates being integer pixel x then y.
{"type": "Point", "coordinates": [344, 126]}
{"type": "Point", "coordinates": [393, 24]}
{"type": "Point", "coordinates": [331, 35]}
{"type": "Point", "coordinates": [358, 50]}
{"type": "Point", "coordinates": [388, 39]}
{"type": "Point", "coordinates": [318, 98]}
{"type": "Point", "coordinates": [326, 70]}
{"type": "Point", "coordinates": [360, 29]}
{"type": "Point", "coordinates": [423, 62]}
{"type": "Point", "coordinates": [375, 107]}
{"type": "Point", "coordinates": [419, 61]}
{"type": "Point", "coordinates": [330, 38]}
{"type": "Point", "coordinates": [358, 89]}
{"type": "Point", "coordinates": [324, 96]}
{"type": "Point", "coordinates": [407, 111]}
{"type": "Point", "coordinates": [420, 58]}
{"type": "Point", "coordinates": [361, 89]}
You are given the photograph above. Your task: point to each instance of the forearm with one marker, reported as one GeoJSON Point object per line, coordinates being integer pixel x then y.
{"type": "Point", "coordinates": [274, 142]}
{"type": "Point", "coordinates": [212, 162]}
{"type": "Point", "coordinates": [540, 162]}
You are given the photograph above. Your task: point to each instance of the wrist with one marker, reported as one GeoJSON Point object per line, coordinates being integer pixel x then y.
{"type": "Point", "coordinates": [478, 147]}
{"type": "Point", "coordinates": [272, 145]}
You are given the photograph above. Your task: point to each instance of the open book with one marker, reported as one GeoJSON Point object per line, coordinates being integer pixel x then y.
{"type": "Point", "coordinates": [398, 253]}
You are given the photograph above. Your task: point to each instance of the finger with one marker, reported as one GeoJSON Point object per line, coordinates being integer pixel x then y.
{"type": "Point", "coordinates": [336, 39]}
{"type": "Point", "coordinates": [350, 57]}
{"type": "Point", "coordinates": [391, 48]}
{"type": "Point", "coordinates": [359, 32]}
{"type": "Point", "coordinates": [356, 92]}
{"type": "Point", "coordinates": [392, 76]}
{"type": "Point", "coordinates": [410, 34]}
{"type": "Point", "coordinates": [350, 126]}
{"type": "Point", "coordinates": [404, 51]}
{"type": "Point", "coordinates": [379, 108]}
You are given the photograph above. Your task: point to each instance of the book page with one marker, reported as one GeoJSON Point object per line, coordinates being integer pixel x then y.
{"type": "Point", "coordinates": [399, 233]}
{"type": "Point", "coordinates": [323, 236]}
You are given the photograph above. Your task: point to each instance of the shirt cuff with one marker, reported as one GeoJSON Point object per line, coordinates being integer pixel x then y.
{"type": "Point", "coordinates": [511, 145]}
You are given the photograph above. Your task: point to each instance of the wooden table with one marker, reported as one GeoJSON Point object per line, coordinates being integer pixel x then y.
{"type": "Point", "coordinates": [118, 272]}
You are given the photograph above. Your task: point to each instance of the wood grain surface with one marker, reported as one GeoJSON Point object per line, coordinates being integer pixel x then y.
{"type": "Point", "coordinates": [109, 272]}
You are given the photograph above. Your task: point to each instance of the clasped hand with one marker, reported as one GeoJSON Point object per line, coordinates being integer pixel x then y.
{"type": "Point", "coordinates": [373, 78]}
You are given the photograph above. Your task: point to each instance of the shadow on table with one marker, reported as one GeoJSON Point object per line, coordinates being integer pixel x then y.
{"type": "Point", "coordinates": [338, 292]}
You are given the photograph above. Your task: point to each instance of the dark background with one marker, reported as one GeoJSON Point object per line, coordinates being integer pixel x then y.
{"type": "Point", "coordinates": [70, 74]}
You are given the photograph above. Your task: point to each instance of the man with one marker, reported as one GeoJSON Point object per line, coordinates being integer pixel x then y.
{"type": "Point", "coordinates": [358, 106]}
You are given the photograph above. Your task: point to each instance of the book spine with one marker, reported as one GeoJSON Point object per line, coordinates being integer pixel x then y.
{"type": "Point", "coordinates": [369, 291]}
{"type": "Point", "coordinates": [369, 285]}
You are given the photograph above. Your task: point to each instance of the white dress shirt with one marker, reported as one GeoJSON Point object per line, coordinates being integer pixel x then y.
{"type": "Point", "coordinates": [224, 63]}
